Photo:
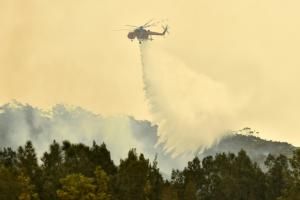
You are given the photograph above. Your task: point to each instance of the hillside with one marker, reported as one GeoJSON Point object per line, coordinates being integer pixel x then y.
{"type": "Point", "coordinates": [257, 148]}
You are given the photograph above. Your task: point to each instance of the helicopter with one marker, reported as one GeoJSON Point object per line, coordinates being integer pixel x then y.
{"type": "Point", "coordinates": [142, 34]}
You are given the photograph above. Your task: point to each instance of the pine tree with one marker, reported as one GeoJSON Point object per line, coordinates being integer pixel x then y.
{"type": "Point", "coordinates": [132, 177]}
{"type": "Point", "coordinates": [154, 182]}
{"type": "Point", "coordinates": [100, 156]}
{"type": "Point", "coordinates": [53, 170]}
{"type": "Point", "coordinates": [8, 158]}
{"type": "Point", "coordinates": [28, 165]}
{"type": "Point", "coordinates": [293, 190]}
{"type": "Point", "coordinates": [277, 177]}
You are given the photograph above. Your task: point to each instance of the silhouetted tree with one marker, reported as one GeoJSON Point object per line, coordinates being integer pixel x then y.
{"type": "Point", "coordinates": [277, 176]}
{"type": "Point", "coordinates": [132, 177]}
{"type": "Point", "coordinates": [155, 181]}
{"type": "Point", "coordinates": [53, 171]}
{"type": "Point", "coordinates": [28, 165]}
{"type": "Point", "coordinates": [9, 184]}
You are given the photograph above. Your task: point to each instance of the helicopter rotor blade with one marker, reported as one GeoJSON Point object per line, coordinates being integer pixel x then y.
{"type": "Point", "coordinates": [146, 24]}
{"type": "Point", "coordinates": [155, 23]}
{"type": "Point", "coordinates": [149, 25]}
{"type": "Point", "coordinates": [131, 26]}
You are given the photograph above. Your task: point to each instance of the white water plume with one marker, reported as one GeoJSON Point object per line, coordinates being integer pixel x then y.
{"type": "Point", "coordinates": [192, 111]}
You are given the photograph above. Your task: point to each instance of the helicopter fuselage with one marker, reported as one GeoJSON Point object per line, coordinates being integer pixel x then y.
{"type": "Point", "coordinates": [142, 34]}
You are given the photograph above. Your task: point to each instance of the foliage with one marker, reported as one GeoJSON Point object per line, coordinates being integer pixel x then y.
{"type": "Point", "coordinates": [76, 171]}
{"type": "Point", "coordinates": [27, 189]}
{"type": "Point", "coordinates": [77, 187]}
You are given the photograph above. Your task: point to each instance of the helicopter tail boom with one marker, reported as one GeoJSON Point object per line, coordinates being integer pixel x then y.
{"type": "Point", "coordinates": [157, 33]}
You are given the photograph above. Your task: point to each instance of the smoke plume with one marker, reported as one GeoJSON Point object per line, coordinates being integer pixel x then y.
{"type": "Point", "coordinates": [190, 109]}
{"type": "Point", "coordinates": [22, 122]}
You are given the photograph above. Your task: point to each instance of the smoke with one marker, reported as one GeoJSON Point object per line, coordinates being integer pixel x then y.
{"type": "Point", "coordinates": [22, 122]}
{"type": "Point", "coordinates": [19, 123]}
{"type": "Point", "coordinates": [191, 110]}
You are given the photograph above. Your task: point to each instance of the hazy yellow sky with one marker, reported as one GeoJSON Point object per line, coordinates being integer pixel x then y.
{"type": "Point", "coordinates": [64, 51]}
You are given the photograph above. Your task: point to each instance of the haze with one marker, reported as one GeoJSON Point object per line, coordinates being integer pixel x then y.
{"type": "Point", "coordinates": [67, 52]}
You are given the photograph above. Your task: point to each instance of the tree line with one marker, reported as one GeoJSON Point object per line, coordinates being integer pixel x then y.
{"type": "Point", "coordinates": [79, 172]}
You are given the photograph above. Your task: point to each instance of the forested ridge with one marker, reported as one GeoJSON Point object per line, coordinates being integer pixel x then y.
{"type": "Point", "coordinates": [70, 171]}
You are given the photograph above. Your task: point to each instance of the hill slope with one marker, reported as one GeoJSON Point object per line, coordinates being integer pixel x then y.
{"type": "Point", "coordinates": [257, 148]}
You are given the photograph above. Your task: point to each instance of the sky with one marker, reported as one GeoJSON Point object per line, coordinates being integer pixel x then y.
{"type": "Point", "coordinates": [64, 51]}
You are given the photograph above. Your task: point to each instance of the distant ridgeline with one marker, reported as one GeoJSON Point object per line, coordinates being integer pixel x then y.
{"type": "Point", "coordinates": [256, 148]}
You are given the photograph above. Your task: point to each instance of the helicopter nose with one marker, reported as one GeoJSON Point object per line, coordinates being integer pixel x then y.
{"type": "Point", "coordinates": [131, 35]}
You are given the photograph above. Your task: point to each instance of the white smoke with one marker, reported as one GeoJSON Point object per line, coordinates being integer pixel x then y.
{"type": "Point", "coordinates": [20, 123]}
{"type": "Point", "coordinates": [192, 111]}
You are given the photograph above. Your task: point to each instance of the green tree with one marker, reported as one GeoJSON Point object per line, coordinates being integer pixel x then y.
{"type": "Point", "coordinates": [293, 191]}
{"type": "Point", "coordinates": [27, 160]}
{"type": "Point", "coordinates": [193, 172]}
{"type": "Point", "coordinates": [27, 188]}
{"type": "Point", "coordinates": [132, 177]}
{"type": "Point", "coordinates": [209, 188]}
{"type": "Point", "coordinates": [28, 165]}
{"type": "Point", "coordinates": [177, 181]}
{"type": "Point", "coordinates": [53, 171]}
{"type": "Point", "coordinates": [77, 159]}
{"type": "Point", "coordinates": [101, 182]}
{"type": "Point", "coordinates": [9, 185]}
{"type": "Point", "coordinates": [168, 192]}
{"type": "Point", "coordinates": [190, 191]}
{"type": "Point", "coordinates": [77, 187]}
{"type": "Point", "coordinates": [248, 179]}
{"type": "Point", "coordinates": [8, 158]}
{"type": "Point", "coordinates": [100, 156]}
{"type": "Point", "coordinates": [154, 182]}
{"type": "Point", "coordinates": [230, 177]}
{"type": "Point", "coordinates": [277, 177]}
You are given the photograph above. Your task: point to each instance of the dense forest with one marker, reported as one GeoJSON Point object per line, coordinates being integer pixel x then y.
{"type": "Point", "coordinates": [79, 172]}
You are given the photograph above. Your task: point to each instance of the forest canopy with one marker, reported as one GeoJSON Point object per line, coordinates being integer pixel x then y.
{"type": "Point", "coordinates": [70, 171]}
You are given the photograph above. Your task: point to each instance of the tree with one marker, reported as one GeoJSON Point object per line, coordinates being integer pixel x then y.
{"type": "Point", "coordinates": [53, 170]}
{"type": "Point", "coordinates": [209, 188]}
{"type": "Point", "coordinates": [77, 187]}
{"type": "Point", "coordinates": [231, 177]}
{"type": "Point", "coordinates": [28, 165]}
{"type": "Point", "coordinates": [27, 189]}
{"type": "Point", "coordinates": [248, 178]}
{"type": "Point", "coordinates": [101, 180]}
{"type": "Point", "coordinates": [27, 160]}
{"type": "Point", "coordinates": [168, 192]}
{"type": "Point", "coordinates": [293, 190]}
{"type": "Point", "coordinates": [295, 164]}
{"type": "Point", "coordinates": [8, 158]}
{"type": "Point", "coordinates": [277, 177]}
{"type": "Point", "coordinates": [193, 172]}
{"type": "Point", "coordinates": [190, 191]}
{"type": "Point", "coordinates": [154, 182]}
{"type": "Point", "coordinates": [100, 156]}
{"type": "Point", "coordinates": [77, 159]}
{"type": "Point", "coordinates": [177, 181]}
{"type": "Point", "coordinates": [132, 177]}
{"type": "Point", "coordinates": [9, 185]}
